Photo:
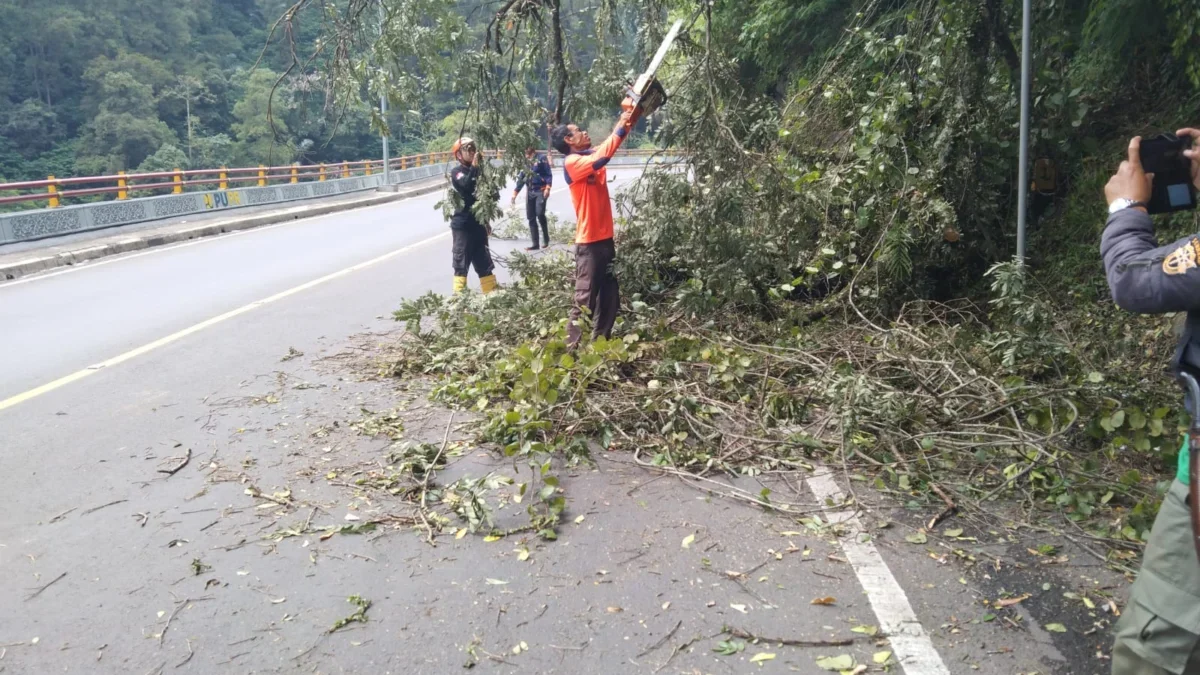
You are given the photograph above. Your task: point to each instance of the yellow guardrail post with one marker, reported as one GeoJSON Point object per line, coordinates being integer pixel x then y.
{"type": "Point", "coordinates": [322, 176]}
{"type": "Point", "coordinates": [122, 191]}
{"type": "Point", "coordinates": [345, 169]}
{"type": "Point", "coordinates": [223, 179]}
{"type": "Point", "coordinates": [368, 166]}
{"type": "Point", "coordinates": [404, 162]}
{"type": "Point", "coordinates": [262, 175]}
{"type": "Point", "coordinates": [295, 178]}
{"type": "Point", "coordinates": [53, 190]}
{"type": "Point", "coordinates": [177, 179]}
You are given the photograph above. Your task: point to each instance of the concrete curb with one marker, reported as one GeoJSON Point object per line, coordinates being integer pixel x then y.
{"type": "Point", "coordinates": [28, 266]}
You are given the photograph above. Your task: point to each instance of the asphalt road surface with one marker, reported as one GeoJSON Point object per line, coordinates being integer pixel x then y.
{"type": "Point", "coordinates": [242, 358]}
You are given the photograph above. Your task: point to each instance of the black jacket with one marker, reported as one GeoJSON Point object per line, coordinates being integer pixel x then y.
{"type": "Point", "coordinates": [464, 179]}
{"type": "Point", "coordinates": [1147, 278]}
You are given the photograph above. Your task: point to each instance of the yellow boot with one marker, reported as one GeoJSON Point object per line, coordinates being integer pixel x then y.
{"type": "Point", "coordinates": [488, 283]}
{"type": "Point", "coordinates": [460, 284]}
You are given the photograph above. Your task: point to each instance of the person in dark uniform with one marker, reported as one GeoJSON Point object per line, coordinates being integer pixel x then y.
{"type": "Point", "coordinates": [1159, 632]}
{"type": "Point", "coordinates": [537, 178]}
{"type": "Point", "coordinates": [470, 246]}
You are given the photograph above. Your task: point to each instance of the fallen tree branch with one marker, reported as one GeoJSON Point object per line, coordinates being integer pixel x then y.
{"type": "Point", "coordinates": [746, 635]}
{"type": "Point", "coordinates": [176, 469]}
{"type": "Point", "coordinates": [43, 588]}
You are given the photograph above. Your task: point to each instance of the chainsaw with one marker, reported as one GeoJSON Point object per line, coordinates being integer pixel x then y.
{"type": "Point", "coordinates": [648, 94]}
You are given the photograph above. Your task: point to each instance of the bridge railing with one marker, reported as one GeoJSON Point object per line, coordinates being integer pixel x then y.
{"type": "Point", "coordinates": [53, 191]}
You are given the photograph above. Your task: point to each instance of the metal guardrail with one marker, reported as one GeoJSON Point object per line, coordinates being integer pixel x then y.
{"type": "Point", "coordinates": [54, 190]}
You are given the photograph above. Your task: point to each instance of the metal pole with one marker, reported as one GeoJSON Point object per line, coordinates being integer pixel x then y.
{"type": "Point", "coordinates": [387, 169]}
{"type": "Point", "coordinates": [1023, 171]}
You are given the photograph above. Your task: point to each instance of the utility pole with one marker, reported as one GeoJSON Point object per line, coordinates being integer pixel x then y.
{"type": "Point", "coordinates": [387, 169]}
{"type": "Point", "coordinates": [1023, 171]}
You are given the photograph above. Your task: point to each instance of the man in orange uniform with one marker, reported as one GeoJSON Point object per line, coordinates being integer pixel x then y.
{"type": "Point", "coordinates": [595, 283]}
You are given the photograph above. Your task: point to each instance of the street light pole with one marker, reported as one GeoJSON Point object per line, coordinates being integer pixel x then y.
{"type": "Point", "coordinates": [387, 169]}
{"type": "Point", "coordinates": [1023, 171]}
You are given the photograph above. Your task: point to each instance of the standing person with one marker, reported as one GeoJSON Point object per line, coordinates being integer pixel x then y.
{"type": "Point", "coordinates": [1159, 633]}
{"type": "Point", "coordinates": [470, 246]}
{"type": "Point", "coordinates": [596, 285]}
{"type": "Point", "coordinates": [537, 178]}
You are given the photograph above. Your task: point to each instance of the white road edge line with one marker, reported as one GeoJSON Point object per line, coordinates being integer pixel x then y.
{"type": "Point", "coordinates": [910, 643]}
{"type": "Point", "coordinates": [173, 337]}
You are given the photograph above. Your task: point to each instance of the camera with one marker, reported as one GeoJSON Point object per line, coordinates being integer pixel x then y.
{"type": "Point", "coordinates": [1173, 189]}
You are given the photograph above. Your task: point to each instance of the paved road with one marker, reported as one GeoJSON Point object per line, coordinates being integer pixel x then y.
{"type": "Point", "coordinates": [170, 573]}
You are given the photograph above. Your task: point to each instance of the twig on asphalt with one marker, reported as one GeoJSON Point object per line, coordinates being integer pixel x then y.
{"type": "Point", "coordinates": [674, 652]}
{"type": "Point", "coordinates": [429, 474]}
{"type": "Point", "coordinates": [178, 607]}
{"type": "Point", "coordinates": [62, 515]}
{"type": "Point", "coordinates": [573, 649]}
{"type": "Point", "coordinates": [176, 469]}
{"type": "Point", "coordinates": [39, 591]}
{"type": "Point", "coordinates": [739, 633]}
{"type": "Point", "coordinates": [103, 506]}
{"type": "Point", "coordinates": [661, 642]}
{"type": "Point", "coordinates": [189, 656]}
{"type": "Point", "coordinates": [951, 507]}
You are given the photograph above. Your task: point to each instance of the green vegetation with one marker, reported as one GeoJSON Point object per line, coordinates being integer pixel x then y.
{"type": "Point", "coordinates": [831, 279]}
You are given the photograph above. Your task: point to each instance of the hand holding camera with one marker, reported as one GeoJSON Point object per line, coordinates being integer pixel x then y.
{"type": "Point", "coordinates": [1161, 174]}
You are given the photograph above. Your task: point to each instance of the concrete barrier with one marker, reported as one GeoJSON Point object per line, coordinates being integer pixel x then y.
{"type": "Point", "coordinates": [42, 223]}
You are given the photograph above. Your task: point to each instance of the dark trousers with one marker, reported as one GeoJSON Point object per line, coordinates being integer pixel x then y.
{"type": "Point", "coordinates": [535, 211]}
{"type": "Point", "coordinates": [595, 288]}
{"type": "Point", "coordinates": [470, 248]}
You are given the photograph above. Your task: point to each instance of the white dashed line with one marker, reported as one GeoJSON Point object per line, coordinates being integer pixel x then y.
{"type": "Point", "coordinates": [910, 643]}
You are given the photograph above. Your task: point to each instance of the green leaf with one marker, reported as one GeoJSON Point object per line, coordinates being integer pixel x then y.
{"type": "Point", "coordinates": [687, 541]}
{"type": "Point", "coordinates": [1095, 377]}
{"type": "Point", "coordinates": [1137, 419]}
{"type": "Point", "coordinates": [762, 656]}
{"type": "Point", "coordinates": [916, 538]}
{"type": "Point", "coordinates": [1118, 418]}
{"type": "Point", "coordinates": [1056, 628]}
{"type": "Point", "coordinates": [881, 657]}
{"type": "Point", "coordinates": [836, 663]}
{"type": "Point", "coordinates": [954, 532]}
{"type": "Point", "coordinates": [1156, 427]}
{"type": "Point", "coordinates": [729, 647]}
{"type": "Point", "coordinates": [865, 630]}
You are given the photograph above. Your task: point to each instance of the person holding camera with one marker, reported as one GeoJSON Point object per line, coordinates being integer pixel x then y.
{"type": "Point", "coordinates": [470, 247]}
{"type": "Point", "coordinates": [1159, 632]}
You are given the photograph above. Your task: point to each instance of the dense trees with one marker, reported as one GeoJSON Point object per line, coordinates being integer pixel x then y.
{"type": "Point", "coordinates": [126, 84]}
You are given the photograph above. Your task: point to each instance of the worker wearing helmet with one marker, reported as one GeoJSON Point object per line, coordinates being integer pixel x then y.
{"type": "Point", "coordinates": [470, 246]}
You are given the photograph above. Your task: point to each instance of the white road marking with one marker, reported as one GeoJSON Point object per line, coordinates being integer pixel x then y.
{"type": "Point", "coordinates": [173, 337]}
{"type": "Point", "coordinates": [910, 643]}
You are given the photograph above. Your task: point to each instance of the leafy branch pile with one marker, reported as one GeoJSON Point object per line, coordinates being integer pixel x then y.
{"type": "Point", "coordinates": [816, 281]}
{"type": "Point", "coordinates": [917, 406]}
